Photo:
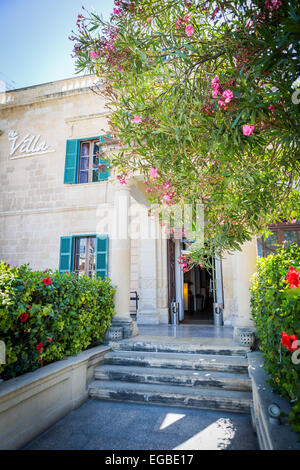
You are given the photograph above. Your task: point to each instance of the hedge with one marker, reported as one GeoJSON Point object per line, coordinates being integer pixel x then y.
{"type": "Point", "coordinates": [47, 316]}
{"type": "Point", "coordinates": [276, 310]}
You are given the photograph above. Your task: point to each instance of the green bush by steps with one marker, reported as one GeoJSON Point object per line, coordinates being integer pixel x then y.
{"type": "Point", "coordinates": [276, 308]}
{"type": "Point", "coordinates": [64, 318]}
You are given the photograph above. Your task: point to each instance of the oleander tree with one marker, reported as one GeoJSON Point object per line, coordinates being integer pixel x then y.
{"type": "Point", "coordinates": [203, 103]}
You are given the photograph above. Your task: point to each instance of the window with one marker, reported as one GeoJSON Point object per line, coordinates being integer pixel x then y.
{"type": "Point", "coordinates": [85, 161]}
{"type": "Point", "coordinates": [84, 256]}
{"type": "Point", "coordinates": [90, 154]}
{"type": "Point", "coordinates": [281, 233]}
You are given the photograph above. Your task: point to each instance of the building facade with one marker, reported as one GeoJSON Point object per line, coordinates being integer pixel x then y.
{"type": "Point", "coordinates": [57, 211]}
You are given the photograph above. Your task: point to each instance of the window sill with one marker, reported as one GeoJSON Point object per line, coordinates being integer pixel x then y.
{"type": "Point", "coordinates": [87, 184]}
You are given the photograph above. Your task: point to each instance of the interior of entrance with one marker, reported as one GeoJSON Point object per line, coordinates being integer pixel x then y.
{"type": "Point", "coordinates": [198, 296]}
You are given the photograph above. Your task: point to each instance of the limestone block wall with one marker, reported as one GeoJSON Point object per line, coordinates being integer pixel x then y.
{"type": "Point", "coordinates": [36, 207]}
{"type": "Point", "coordinates": [230, 312]}
{"type": "Point", "coordinates": [238, 269]}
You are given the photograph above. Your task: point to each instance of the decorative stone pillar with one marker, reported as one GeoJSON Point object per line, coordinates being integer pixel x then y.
{"type": "Point", "coordinates": [244, 267]}
{"type": "Point", "coordinates": [122, 323]}
{"type": "Point", "coordinates": [162, 280]}
{"type": "Point", "coordinates": [148, 312]}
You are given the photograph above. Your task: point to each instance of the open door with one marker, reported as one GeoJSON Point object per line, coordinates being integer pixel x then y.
{"type": "Point", "coordinates": [196, 292]}
{"type": "Point", "coordinates": [171, 274]}
{"type": "Point", "coordinates": [217, 279]}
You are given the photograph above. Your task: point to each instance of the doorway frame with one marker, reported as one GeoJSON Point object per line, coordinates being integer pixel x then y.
{"type": "Point", "coordinates": [218, 285]}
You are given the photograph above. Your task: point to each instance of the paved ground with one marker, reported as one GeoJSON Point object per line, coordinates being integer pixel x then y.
{"type": "Point", "coordinates": [186, 331]}
{"type": "Point", "coordinates": [102, 425]}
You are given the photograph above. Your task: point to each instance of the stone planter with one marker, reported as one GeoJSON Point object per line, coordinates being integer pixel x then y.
{"type": "Point", "coordinates": [29, 404]}
{"type": "Point", "coordinates": [271, 435]}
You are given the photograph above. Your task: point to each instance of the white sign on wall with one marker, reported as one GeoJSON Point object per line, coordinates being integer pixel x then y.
{"type": "Point", "coordinates": [28, 145]}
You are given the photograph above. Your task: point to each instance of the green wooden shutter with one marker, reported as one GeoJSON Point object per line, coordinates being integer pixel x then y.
{"type": "Point", "coordinates": [101, 255]}
{"type": "Point", "coordinates": [66, 254]}
{"type": "Point", "coordinates": [71, 161]}
{"type": "Point", "coordinates": [102, 176]}
{"type": "Point", "coordinates": [105, 175]}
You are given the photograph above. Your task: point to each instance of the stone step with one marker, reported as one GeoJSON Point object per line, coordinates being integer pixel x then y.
{"type": "Point", "coordinates": [171, 395]}
{"type": "Point", "coordinates": [186, 378]}
{"type": "Point", "coordinates": [215, 346]}
{"type": "Point", "coordinates": [220, 363]}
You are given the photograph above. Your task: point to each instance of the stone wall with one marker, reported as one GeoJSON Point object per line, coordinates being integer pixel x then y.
{"type": "Point", "coordinates": [36, 207]}
{"type": "Point", "coordinates": [31, 403]}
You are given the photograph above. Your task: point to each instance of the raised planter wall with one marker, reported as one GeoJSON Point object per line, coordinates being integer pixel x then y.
{"type": "Point", "coordinates": [270, 436]}
{"type": "Point", "coordinates": [29, 404]}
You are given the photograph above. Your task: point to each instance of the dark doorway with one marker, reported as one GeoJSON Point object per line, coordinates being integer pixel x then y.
{"type": "Point", "coordinates": [198, 296]}
{"type": "Point", "coordinates": [171, 274]}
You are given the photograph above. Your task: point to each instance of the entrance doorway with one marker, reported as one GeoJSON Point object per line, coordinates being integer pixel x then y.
{"type": "Point", "coordinates": [198, 296]}
{"type": "Point", "coordinates": [195, 293]}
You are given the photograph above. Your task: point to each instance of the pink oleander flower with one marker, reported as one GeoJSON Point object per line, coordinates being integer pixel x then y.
{"type": "Point", "coordinates": [215, 93]}
{"type": "Point", "coordinates": [271, 107]}
{"type": "Point", "coordinates": [166, 185]}
{"type": "Point", "coordinates": [222, 104]}
{"type": "Point", "coordinates": [153, 173]}
{"type": "Point", "coordinates": [148, 190]}
{"type": "Point", "coordinates": [116, 11]}
{"type": "Point", "coordinates": [167, 198]}
{"type": "Point", "coordinates": [136, 119]}
{"type": "Point", "coordinates": [189, 30]}
{"type": "Point", "coordinates": [94, 54]}
{"type": "Point", "coordinates": [121, 177]}
{"type": "Point", "coordinates": [293, 221]}
{"type": "Point", "coordinates": [248, 129]}
{"type": "Point", "coordinates": [215, 83]}
{"type": "Point", "coordinates": [272, 4]}
{"type": "Point", "coordinates": [228, 95]}
{"type": "Point", "coordinates": [178, 23]}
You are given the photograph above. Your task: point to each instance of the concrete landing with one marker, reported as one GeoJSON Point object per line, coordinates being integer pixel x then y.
{"type": "Point", "coordinates": [102, 425]}
{"type": "Point", "coordinates": [224, 346]}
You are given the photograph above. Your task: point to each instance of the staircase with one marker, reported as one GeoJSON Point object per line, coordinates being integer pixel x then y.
{"type": "Point", "coordinates": [186, 372]}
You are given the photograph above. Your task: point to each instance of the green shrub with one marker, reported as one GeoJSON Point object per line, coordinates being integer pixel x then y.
{"type": "Point", "coordinates": [60, 319]}
{"type": "Point", "coordinates": [276, 309]}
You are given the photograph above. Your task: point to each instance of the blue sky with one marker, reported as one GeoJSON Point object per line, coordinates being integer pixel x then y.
{"type": "Point", "coordinates": [34, 45]}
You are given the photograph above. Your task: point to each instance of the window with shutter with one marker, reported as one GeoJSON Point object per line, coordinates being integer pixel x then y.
{"type": "Point", "coordinates": [71, 161]}
{"type": "Point", "coordinates": [66, 254]}
{"type": "Point", "coordinates": [101, 255]}
{"type": "Point", "coordinates": [85, 160]}
{"type": "Point", "coordinates": [86, 255]}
